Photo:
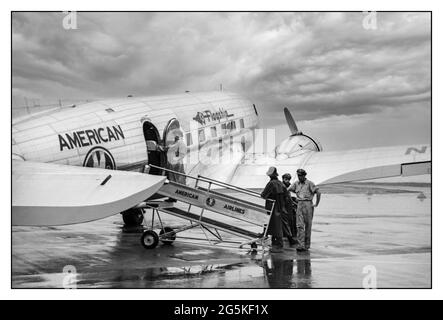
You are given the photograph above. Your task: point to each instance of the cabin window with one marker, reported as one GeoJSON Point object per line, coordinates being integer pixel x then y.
{"type": "Point", "coordinates": [201, 135]}
{"type": "Point", "coordinates": [242, 123]}
{"type": "Point", "coordinates": [230, 126]}
{"type": "Point", "coordinates": [188, 139]}
{"type": "Point", "coordinates": [214, 132]}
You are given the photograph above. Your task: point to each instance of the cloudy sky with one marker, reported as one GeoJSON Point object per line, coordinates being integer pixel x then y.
{"type": "Point", "coordinates": [349, 85]}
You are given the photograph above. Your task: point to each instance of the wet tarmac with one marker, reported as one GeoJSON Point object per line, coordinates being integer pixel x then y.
{"type": "Point", "coordinates": [386, 235]}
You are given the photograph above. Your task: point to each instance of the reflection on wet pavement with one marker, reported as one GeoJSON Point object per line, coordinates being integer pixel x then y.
{"type": "Point", "coordinates": [389, 232]}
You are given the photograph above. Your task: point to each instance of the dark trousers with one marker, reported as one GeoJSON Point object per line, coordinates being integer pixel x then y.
{"type": "Point", "coordinates": [288, 224]}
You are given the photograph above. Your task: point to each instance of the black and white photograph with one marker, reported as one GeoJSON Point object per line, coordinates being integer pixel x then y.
{"type": "Point", "coordinates": [221, 150]}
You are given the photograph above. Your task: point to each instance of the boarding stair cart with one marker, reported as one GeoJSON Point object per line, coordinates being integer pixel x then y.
{"type": "Point", "coordinates": [205, 204]}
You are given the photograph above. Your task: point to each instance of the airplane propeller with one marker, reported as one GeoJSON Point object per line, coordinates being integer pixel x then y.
{"type": "Point", "coordinates": [291, 123]}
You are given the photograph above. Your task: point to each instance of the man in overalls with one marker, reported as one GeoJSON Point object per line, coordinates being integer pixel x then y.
{"type": "Point", "coordinates": [304, 190]}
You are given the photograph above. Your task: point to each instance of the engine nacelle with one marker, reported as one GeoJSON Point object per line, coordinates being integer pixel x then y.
{"type": "Point", "coordinates": [295, 145]}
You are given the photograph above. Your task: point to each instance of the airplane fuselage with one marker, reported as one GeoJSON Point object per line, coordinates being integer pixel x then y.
{"type": "Point", "coordinates": [217, 129]}
{"type": "Point", "coordinates": [113, 134]}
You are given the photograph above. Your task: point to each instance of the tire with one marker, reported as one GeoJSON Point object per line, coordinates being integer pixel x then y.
{"type": "Point", "coordinates": [170, 238]}
{"type": "Point", "coordinates": [132, 217]}
{"type": "Point", "coordinates": [149, 239]}
{"type": "Point", "coordinates": [254, 247]}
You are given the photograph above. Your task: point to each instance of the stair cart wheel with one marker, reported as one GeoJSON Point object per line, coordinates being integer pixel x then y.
{"type": "Point", "coordinates": [168, 239]}
{"type": "Point", "coordinates": [149, 239]}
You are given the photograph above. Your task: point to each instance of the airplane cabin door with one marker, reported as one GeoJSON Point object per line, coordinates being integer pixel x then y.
{"type": "Point", "coordinates": [155, 155]}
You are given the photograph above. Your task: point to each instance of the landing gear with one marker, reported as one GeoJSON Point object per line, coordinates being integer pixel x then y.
{"type": "Point", "coordinates": [169, 239]}
{"type": "Point", "coordinates": [133, 217]}
{"type": "Point", "coordinates": [149, 239]}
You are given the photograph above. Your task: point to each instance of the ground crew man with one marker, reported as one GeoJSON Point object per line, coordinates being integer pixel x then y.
{"type": "Point", "coordinates": [304, 191]}
{"type": "Point", "coordinates": [275, 190]}
{"type": "Point", "coordinates": [291, 208]}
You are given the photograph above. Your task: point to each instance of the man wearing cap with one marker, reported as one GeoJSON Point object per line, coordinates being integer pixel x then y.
{"type": "Point", "coordinates": [304, 190]}
{"type": "Point", "coordinates": [274, 190]}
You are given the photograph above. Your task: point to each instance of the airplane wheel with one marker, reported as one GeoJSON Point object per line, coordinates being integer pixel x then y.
{"type": "Point", "coordinates": [254, 247]}
{"type": "Point", "coordinates": [149, 239]}
{"type": "Point", "coordinates": [133, 217]}
{"type": "Point", "coordinates": [170, 238]}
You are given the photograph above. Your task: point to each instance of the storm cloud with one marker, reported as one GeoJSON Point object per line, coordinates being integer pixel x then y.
{"type": "Point", "coordinates": [318, 64]}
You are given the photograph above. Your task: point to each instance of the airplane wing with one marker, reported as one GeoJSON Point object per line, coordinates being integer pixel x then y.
{"type": "Point", "coordinates": [49, 194]}
{"type": "Point", "coordinates": [340, 166]}
{"type": "Point", "coordinates": [220, 168]}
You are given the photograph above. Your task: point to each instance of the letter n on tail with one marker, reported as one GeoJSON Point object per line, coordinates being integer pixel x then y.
{"type": "Point", "coordinates": [410, 149]}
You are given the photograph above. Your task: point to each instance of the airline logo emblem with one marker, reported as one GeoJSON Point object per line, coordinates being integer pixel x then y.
{"type": "Point", "coordinates": [99, 157]}
{"type": "Point", "coordinates": [210, 202]}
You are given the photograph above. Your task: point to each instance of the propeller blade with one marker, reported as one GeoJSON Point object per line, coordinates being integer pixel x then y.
{"type": "Point", "coordinates": [291, 122]}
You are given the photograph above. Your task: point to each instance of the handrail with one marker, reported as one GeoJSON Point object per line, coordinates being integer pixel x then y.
{"type": "Point", "coordinates": [229, 186]}
{"type": "Point", "coordinates": [219, 183]}
{"type": "Point", "coordinates": [180, 173]}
